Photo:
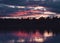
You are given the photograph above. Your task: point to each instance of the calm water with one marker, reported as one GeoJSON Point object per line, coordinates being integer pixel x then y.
{"type": "Point", "coordinates": [21, 37]}
{"type": "Point", "coordinates": [14, 38]}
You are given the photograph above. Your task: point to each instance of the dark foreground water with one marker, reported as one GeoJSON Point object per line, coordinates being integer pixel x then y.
{"type": "Point", "coordinates": [17, 37]}
{"type": "Point", "coordinates": [22, 37]}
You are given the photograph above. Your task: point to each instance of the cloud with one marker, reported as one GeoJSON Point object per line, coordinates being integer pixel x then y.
{"type": "Point", "coordinates": [6, 10]}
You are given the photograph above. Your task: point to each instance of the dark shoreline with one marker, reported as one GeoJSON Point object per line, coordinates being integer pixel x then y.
{"type": "Point", "coordinates": [42, 24]}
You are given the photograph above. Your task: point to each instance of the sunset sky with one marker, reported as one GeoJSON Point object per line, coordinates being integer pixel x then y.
{"type": "Point", "coordinates": [11, 7]}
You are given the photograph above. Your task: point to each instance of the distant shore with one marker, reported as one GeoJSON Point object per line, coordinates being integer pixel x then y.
{"type": "Point", "coordinates": [27, 25]}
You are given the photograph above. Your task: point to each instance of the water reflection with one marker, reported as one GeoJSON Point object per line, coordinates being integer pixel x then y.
{"type": "Point", "coordinates": [23, 37]}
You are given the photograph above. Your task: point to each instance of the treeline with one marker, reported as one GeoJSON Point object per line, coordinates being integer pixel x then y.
{"type": "Point", "coordinates": [28, 25]}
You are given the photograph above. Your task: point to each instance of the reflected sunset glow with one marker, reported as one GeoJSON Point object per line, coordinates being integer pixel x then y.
{"type": "Point", "coordinates": [33, 37]}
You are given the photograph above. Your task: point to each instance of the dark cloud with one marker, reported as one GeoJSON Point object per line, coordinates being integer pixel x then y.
{"type": "Point", "coordinates": [5, 11]}
{"type": "Point", "coordinates": [13, 2]}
